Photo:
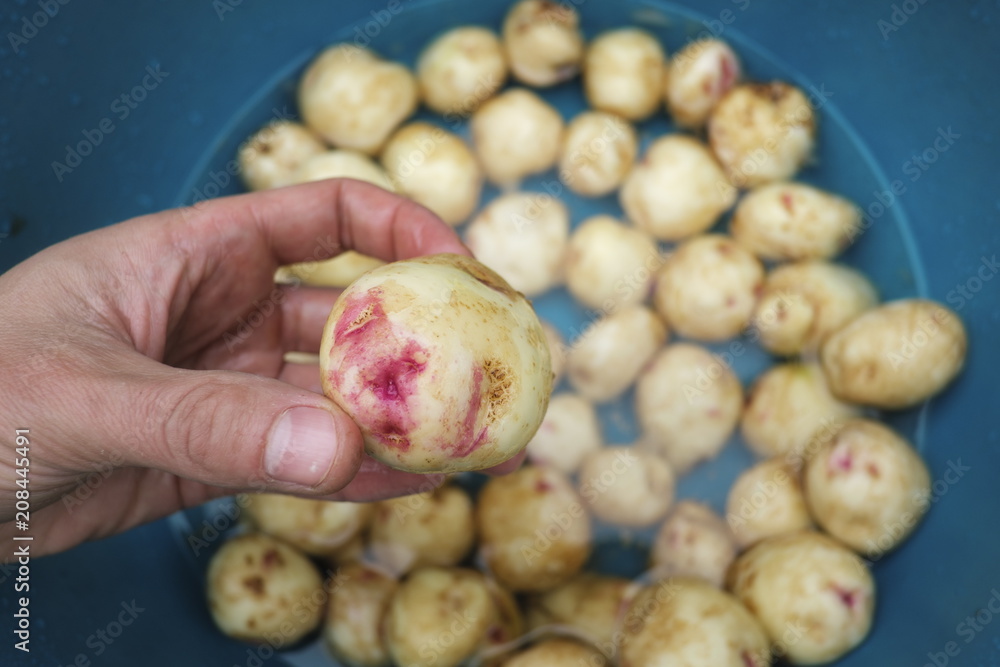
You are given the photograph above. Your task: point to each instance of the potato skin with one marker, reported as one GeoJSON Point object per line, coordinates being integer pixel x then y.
{"type": "Point", "coordinates": [623, 73]}
{"type": "Point", "coordinates": [352, 628]}
{"type": "Point", "coordinates": [589, 604]}
{"type": "Point", "coordinates": [557, 652]}
{"type": "Point", "coordinates": [626, 486]}
{"type": "Point", "coordinates": [516, 134]}
{"type": "Point", "coordinates": [568, 434]}
{"type": "Point", "coordinates": [896, 355]}
{"type": "Point", "coordinates": [317, 527]}
{"type": "Point", "coordinates": [766, 500]}
{"type": "Point", "coordinates": [460, 70]}
{"type": "Point", "coordinates": [867, 487]}
{"type": "Point", "coordinates": [270, 157]}
{"type": "Point", "coordinates": [694, 541]}
{"type": "Point", "coordinates": [597, 153]}
{"type": "Point", "coordinates": [697, 78]}
{"type": "Point", "coordinates": [542, 41]}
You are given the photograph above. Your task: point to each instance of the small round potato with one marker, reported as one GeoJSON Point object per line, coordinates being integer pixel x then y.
{"type": "Point", "coordinates": [460, 70]}
{"type": "Point", "coordinates": [354, 99]}
{"type": "Point", "coordinates": [623, 73]}
{"type": "Point", "coordinates": [867, 487]}
{"type": "Point", "coordinates": [439, 617]}
{"type": "Point", "coordinates": [343, 163]}
{"type": "Point", "coordinates": [260, 589]}
{"type": "Point", "coordinates": [708, 287]}
{"type": "Point", "coordinates": [568, 434]}
{"type": "Point", "coordinates": [625, 486]}
{"type": "Point", "coordinates": [516, 134]}
{"type": "Point", "coordinates": [687, 622]}
{"type": "Point", "coordinates": [610, 265]}
{"type": "Point", "coordinates": [270, 158]}
{"type": "Point", "coordinates": [318, 527]}
{"type": "Point", "coordinates": [688, 402]}
{"type": "Point", "coordinates": [557, 652]}
{"type": "Point", "coordinates": [509, 624]}
{"type": "Point", "coordinates": [557, 351]}
{"type": "Point", "coordinates": [589, 605]}
{"type": "Point", "coordinates": [694, 541]}
{"type": "Point", "coordinates": [358, 602]}
{"type": "Point", "coordinates": [677, 190]}
{"type": "Point", "coordinates": [597, 153]}
{"type": "Point", "coordinates": [522, 236]}
{"type": "Point", "coordinates": [435, 168]}
{"type": "Point", "coordinates": [896, 355]}
{"type": "Point", "coordinates": [793, 221]}
{"type": "Point", "coordinates": [340, 271]}
{"type": "Point", "coordinates": [788, 405]}
{"type": "Point", "coordinates": [543, 42]}
{"type": "Point", "coordinates": [534, 528]}
{"type": "Point", "coordinates": [611, 353]}
{"type": "Point", "coordinates": [762, 132]}
{"type": "Point", "coordinates": [766, 500]}
{"type": "Point", "coordinates": [697, 78]}
{"type": "Point", "coordinates": [431, 528]}
{"type": "Point", "coordinates": [803, 303]}
{"type": "Point", "coordinates": [811, 583]}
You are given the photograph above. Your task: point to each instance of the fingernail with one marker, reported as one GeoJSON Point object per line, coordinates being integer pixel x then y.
{"type": "Point", "coordinates": [302, 446]}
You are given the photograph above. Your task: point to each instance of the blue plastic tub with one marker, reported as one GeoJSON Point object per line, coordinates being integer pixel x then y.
{"type": "Point", "coordinates": [894, 78]}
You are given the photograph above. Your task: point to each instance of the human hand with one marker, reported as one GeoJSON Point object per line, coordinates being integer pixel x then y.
{"type": "Point", "coordinates": [123, 349]}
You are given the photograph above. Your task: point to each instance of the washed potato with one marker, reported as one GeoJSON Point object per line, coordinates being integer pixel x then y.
{"type": "Point", "coordinates": [262, 590]}
{"type": "Point", "coordinates": [677, 190]}
{"type": "Point", "coordinates": [597, 152]}
{"type": "Point", "coordinates": [431, 528]}
{"type": "Point", "coordinates": [626, 486]}
{"type": "Point", "coordinates": [708, 287]}
{"type": "Point", "coordinates": [814, 597]}
{"type": "Point", "coordinates": [867, 487]}
{"type": "Point", "coordinates": [766, 500]}
{"type": "Point", "coordinates": [697, 78]}
{"type": "Point", "coordinates": [270, 158]}
{"type": "Point", "coordinates": [342, 163]}
{"type": "Point", "coordinates": [610, 354]}
{"type": "Point", "coordinates": [543, 42]}
{"type": "Point", "coordinates": [557, 351]}
{"type": "Point", "coordinates": [443, 366]}
{"type": "Point", "coordinates": [589, 605]}
{"type": "Point", "coordinates": [896, 355]}
{"type": "Point", "coordinates": [623, 73]}
{"type": "Point", "coordinates": [509, 624]}
{"type": "Point", "coordinates": [688, 401]}
{"type": "Point", "coordinates": [318, 527]}
{"type": "Point", "coordinates": [460, 70]}
{"type": "Point", "coordinates": [610, 265]}
{"type": "Point", "coordinates": [568, 434]}
{"type": "Point", "coordinates": [355, 99]}
{"type": "Point", "coordinates": [534, 529]}
{"type": "Point", "coordinates": [358, 601]}
{"type": "Point", "coordinates": [762, 132]}
{"type": "Point", "coordinates": [340, 271]}
{"type": "Point", "coordinates": [523, 237]}
{"type": "Point", "coordinates": [694, 541]}
{"type": "Point", "coordinates": [516, 134]}
{"type": "Point", "coordinates": [794, 221]}
{"type": "Point", "coordinates": [557, 652]}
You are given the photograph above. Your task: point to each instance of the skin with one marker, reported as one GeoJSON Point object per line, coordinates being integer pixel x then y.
{"type": "Point", "coordinates": [126, 368]}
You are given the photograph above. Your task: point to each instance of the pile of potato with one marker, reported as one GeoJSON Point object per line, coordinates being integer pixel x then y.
{"type": "Point", "coordinates": [443, 577]}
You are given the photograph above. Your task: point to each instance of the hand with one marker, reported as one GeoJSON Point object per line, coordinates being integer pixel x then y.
{"type": "Point", "coordinates": [149, 356]}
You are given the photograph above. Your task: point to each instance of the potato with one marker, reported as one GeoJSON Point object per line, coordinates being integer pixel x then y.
{"type": "Point", "coordinates": [867, 487]}
{"type": "Point", "coordinates": [626, 486]}
{"type": "Point", "coordinates": [793, 221]}
{"type": "Point", "coordinates": [557, 351]}
{"type": "Point", "coordinates": [523, 237]}
{"type": "Point", "coordinates": [609, 265]}
{"type": "Point", "coordinates": [697, 78]}
{"type": "Point", "coordinates": [557, 652]}
{"type": "Point", "coordinates": [708, 287]}
{"type": "Point", "coordinates": [623, 73]}
{"type": "Point", "coordinates": [342, 163]}
{"type": "Point", "coordinates": [813, 596]}
{"type": "Point", "coordinates": [694, 541]}
{"type": "Point", "coordinates": [516, 134]}
{"type": "Point", "coordinates": [318, 527]}
{"type": "Point", "coordinates": [269, 158]}
{"type": "Point", "coordinates": [611, 353]}
{"type": "Point", "coordinates": [260, 589]}
{"type": "Point", "coordinates": [534, 529]}
{"type": "Point", "coordinates": [443, 366]}
{"type": "Point", "coordinates": [354, 99]}
{"type": "Point", "coordinates": [543, 42]}
{"type": "Point", "coordinates": [438, 617]}
{"type": "Point", "coordinates": [687, 622]}
{"type": "Point", "coordinates": [766, 500]}
{"type": "Point", "coordinates": [431, 528]}
{"type": "Point", "coordinates": [803, 303]}
{"type": "Point", "coordinates": [568, 434]}
{"type": "Point", "coordinates": [340, 271]}
{"type": "Point", "coordinates": [435, 168]}
{"type": "Point", "coordinates": [597, 153]}
{"type": "Point", "coordinates": [762, 132]}
{"type": "Point", "coordinates": [588, 605]}
{"type": "Point", "coordinates": [509, 624]}
{"type": "Point", "coordinates": [357, 605]}
{"type": "Point", "coordinates": [688, 401]}
{"type": "Point", "coordinates": [460, 70]}
{"type": "Point", "coordinates": [677, 190]}
{"type": "Point", "coordinates": [787, 407]}
{"type": "Point", "coordinates": [896, 355]}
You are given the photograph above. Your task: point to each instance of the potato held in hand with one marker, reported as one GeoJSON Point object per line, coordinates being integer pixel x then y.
{"type": "Point", "coordinates": [440, 362]}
